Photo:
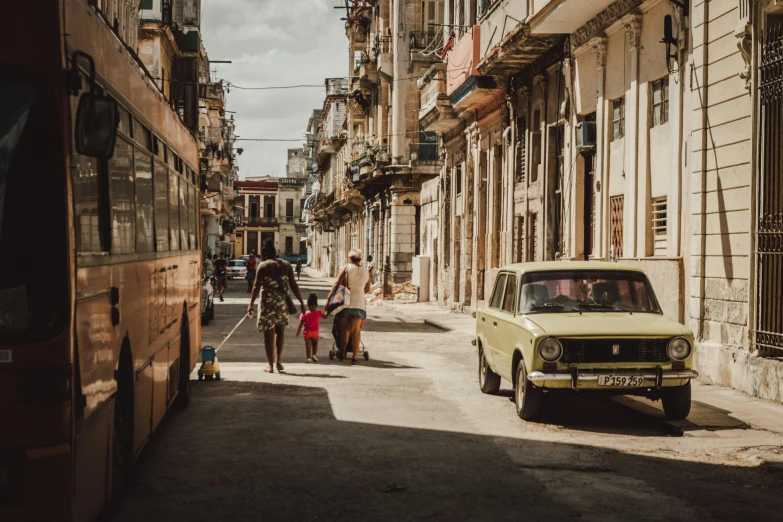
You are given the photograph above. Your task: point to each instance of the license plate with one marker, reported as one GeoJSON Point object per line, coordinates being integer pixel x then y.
{"type": "Point", "coordinates": [623, 381]}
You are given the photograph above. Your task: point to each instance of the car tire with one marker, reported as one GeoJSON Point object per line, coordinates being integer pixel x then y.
{"type": "Point", "coordinates": [489, 381]}
{"type": "Point", "coordinates": [205, 318]}
{"type": "Point", "coordinates": [676, 401]}
{"type": "Point", "coordinates": [212, 311]}
{"type": "Point", "coordinates": [527, 397]}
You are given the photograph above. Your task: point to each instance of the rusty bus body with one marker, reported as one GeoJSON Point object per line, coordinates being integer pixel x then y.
{"type": "Point", "coordinates": [90, 338]}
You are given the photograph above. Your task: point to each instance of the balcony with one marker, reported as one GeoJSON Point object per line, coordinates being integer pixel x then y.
{"type": "Point", "coordinates": [431, 85]}
{"type": "Point", "coordinates": [259, 221]}
{"type": "Point", "coordinates": [563, 16]}
{"type": "Point", "coordinates": [421, 40]}
{"type": "Point", "coordinates": [506, 39]}
{"type": "Point", "coordinates": [291, 219]}
{"type": "Point", "coordinates": [211, 91]}
{"type": "Point", "coordinates": [424, 153]}
{"type": "Point", "coordinates": [291, 182]}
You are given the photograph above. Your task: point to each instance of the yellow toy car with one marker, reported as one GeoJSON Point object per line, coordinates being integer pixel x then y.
{"type": "Point", "coordinates": [210, 367]}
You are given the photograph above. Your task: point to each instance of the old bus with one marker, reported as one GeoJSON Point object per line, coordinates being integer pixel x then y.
{"type": "Point", "coordinates": [99, 260]}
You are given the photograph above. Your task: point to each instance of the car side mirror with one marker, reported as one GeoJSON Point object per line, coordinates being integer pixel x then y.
{"type": "Point", "coordinates": [96, 125]}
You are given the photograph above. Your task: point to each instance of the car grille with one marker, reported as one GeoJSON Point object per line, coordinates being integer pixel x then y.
{"type": "Point", "coordinates": [602, 350]}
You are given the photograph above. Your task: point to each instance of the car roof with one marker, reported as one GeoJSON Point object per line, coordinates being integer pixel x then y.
{"type": "Point", "coordinates": [551, 266]}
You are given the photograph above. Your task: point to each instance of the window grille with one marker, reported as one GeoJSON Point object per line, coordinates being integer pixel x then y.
{"type": "Point", "coordinates": [616, 204]}
{"type": "Point", "coordinates": [660, 102]}
{"type": "Point", "coordinates": [618, 118]}
{"type": "Point", "coordinates": [533, 250]}
{"type": "Point", "coordinates": [659, 226]}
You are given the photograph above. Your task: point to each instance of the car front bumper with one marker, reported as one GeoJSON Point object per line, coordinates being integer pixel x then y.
{"type": "Point", "coordinates": [653, 378]}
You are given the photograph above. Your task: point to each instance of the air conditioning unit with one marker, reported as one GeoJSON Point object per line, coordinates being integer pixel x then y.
{"type": "Point", "coordinates": [585, 134]}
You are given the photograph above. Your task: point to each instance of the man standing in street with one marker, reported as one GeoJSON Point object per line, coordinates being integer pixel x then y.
{"type": "Point", "coordinates": [208, 266]}
{"type": "Point", "coordinates": [251, 264]}
{"type": "Point", "coordinates": [221, 274]}
{"type": "Point", "coordinates": [371, 269]}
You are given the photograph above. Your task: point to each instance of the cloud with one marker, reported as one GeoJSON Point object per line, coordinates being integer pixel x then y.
{"type": "Point", "coordinates": [273, 43]}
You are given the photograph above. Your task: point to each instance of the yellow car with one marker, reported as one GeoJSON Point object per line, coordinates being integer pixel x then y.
{"type": "Point", "coordinates": [591, 327]}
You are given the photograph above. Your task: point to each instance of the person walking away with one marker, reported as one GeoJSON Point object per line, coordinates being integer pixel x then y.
{"type": "Point", "coordinates": [311, 322]}
{"type": "Point", "coordinates": [371, 269]}
{"type": "Point", "coordinates": [221, 274]}
{"type": "Point", "coordinates": [273, 279]}
{"type": "Point", "coordinates": [298, 268]}
{"type": "Point", "coordinates": [251, 265]}
{"type": "Point", "coordinates": [208, 266]}
{"type": "Point", "coordinates": [351, 318]}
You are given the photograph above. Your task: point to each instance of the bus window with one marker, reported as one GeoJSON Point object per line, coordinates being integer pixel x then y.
{"type": "Point", "coordinates": [122, 195]}
{"type": "Point", "coordinates": [193, 225]}
{"type": "Point", "coordinates": [174, 211]}
{"type": "Point", "coordinates": [33, 284]}
{"type": "Point", "coordinates": [161, 207]}
{"type": "Point", "coordinates": [145, 238]}
{"type": "Point", "coordinates": [84, 173]}
{"type": "Point", "coordinates": [183, 214]}
{"type": "Point", "coordinates": [125, 125]}
{"type": "Point", "coordinates": [142, 135]}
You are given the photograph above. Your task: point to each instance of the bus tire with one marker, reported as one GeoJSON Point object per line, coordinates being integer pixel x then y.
{"type": "Point", "coordinates": [183, 393]}
{"type": "Point", "coordinates": [123, 461]}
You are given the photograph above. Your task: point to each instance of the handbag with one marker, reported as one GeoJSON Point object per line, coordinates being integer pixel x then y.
{"type": "Point", "coordinates": [340, 297]}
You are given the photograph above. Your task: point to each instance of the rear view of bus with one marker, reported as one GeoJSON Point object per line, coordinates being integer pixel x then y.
{"type": "Point", "coordinates": [99, 260]}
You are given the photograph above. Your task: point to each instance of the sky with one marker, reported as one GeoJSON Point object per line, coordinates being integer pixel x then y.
{"type": "Point", "coordinates": [271, 43]}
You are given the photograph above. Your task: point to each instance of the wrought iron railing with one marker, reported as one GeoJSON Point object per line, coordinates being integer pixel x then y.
{"type": "Point", "coordinates": [424, 152]}
{"type": "Point", "coordinates": [423, 39]}
{"type": "Point", "coordinates": [260, 221]}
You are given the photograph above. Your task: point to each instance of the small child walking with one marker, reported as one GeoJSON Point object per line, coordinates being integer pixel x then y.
{"type": "Point", "coordinates": [311, 321]}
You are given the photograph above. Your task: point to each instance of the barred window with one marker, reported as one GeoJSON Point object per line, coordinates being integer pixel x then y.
{"type": "Point", "coordinates": [618, 118]}
{"type": "Point", "coordinates": [659, 226]}
{"type": "Point", "coordinates": [660, 102]}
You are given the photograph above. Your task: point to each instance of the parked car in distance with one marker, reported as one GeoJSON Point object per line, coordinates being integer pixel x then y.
{"type": "Point", "coordinates": [584, 327]}
{"type": "Point", "coordinates": [207, 298]}
{"type": "Point", "coordinates": [292, 258]}
{"type": "Point", "coordinates": [237, 269]}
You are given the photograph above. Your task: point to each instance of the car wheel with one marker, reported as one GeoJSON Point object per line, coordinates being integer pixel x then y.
{"type": "Point", "coordinates": [212, 311]}
{"type": "Point", "coordinates": [526, 396]}
{"type": "Point", "coordinates": [205, 318]}
{"type": "Point", "coordinates": [489, 381]}
{"type": "Point", "coordinates": [677, 401]}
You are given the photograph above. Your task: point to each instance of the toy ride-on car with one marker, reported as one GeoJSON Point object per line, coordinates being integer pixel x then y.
{"type": "Point", "coordinates": [210, 368]}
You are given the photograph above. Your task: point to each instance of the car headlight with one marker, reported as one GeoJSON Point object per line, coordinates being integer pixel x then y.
{"type": "Point", "coordinates": [550, 349]}
{"type": "Point", "coordinates": [679, 349]}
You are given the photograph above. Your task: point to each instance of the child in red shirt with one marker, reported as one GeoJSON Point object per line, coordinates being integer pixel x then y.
{"type": "Point", "coordinates": [311, 321]}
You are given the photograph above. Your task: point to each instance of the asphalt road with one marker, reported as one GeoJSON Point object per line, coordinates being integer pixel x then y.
{"type": "Point", "coordinates": [408, 435]}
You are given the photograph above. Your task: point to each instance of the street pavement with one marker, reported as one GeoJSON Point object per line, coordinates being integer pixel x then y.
{"type": "Point", "coordinates": [408, 435]}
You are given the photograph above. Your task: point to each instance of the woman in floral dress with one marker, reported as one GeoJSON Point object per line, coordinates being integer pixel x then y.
{"type": "Point", "coordinates": [273, 279]}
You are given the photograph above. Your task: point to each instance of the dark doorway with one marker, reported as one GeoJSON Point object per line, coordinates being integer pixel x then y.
{"type": "Point", "coordinates": [588, 218]}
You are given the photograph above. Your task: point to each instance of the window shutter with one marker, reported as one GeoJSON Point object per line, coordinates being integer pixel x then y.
{"type": "Point", "coordinates": [521, 157]}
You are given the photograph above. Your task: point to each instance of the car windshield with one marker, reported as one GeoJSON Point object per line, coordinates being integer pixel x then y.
{"type": "Point", "coordinates": [586, 290]}
{"type": "Point", "coordinates": [237, 262]}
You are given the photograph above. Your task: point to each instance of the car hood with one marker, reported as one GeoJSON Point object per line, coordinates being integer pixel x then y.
{"type": "Point", "coordinates": [610, 324]}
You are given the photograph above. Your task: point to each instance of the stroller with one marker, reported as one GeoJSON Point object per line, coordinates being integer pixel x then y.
{"type": "Point", "coordinates": [336, 346]}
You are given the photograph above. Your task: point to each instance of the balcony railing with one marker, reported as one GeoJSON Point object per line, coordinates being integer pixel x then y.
{"type": "Point", "coordinates": [260, 221]}
{"type": "Point", "coordinates": [383, 44]}
{"type": "Point", "coordinates": [424, 39]}
{"type": "Point", "coordinates": [424, 152]}
{"type": "Point", "coordinates": [290, 219]}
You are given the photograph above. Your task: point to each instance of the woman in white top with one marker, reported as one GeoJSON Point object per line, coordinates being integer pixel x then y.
{"type": "Point", "coordinates": [349, 320]}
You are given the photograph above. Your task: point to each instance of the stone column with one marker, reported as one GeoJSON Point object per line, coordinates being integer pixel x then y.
{"type": "Point", "coordinates": [601, 153]}
{"type": "Point", "coordinates": [633, 30]}
{"type": "Point", "coordinates": [403, 235]}
{"type": "Point", "coordinates": [402, 59]}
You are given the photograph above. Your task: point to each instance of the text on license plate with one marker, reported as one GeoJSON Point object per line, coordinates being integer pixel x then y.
{"type": "Point", "coordinates": [629, 381]}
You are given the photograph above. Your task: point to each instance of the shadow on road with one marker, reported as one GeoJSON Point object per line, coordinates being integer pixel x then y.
{"type": "Point", "coordinates": [255, 451]}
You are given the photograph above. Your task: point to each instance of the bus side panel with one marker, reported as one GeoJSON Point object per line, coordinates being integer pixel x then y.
{"type": "Point", "coordinates": [92, 450]}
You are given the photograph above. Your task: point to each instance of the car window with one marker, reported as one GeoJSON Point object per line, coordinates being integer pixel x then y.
{"type": "Point", "coordinates": [508, 297]}
{"type": "Point", "coordinates": [579, 290]}
{"type": "Point", "coordinates": [497, 295]}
